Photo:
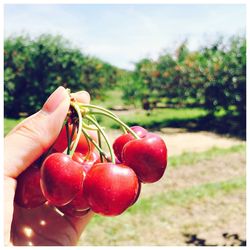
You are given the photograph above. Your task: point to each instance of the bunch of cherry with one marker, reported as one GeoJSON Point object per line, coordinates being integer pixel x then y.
{"type": "Point", "coordinates": [76, 175]}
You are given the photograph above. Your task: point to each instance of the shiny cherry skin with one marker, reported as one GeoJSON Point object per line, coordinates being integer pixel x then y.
{"type": "Point", "coordinates": [83, 146]}
{"type": "Point", "coordinates": [77, 207]}
{"type": "Point", "coordinates": [110, 188]}
{"type": "Point", "coordinates": [120, 141]}
{"type": "Point", "coordinates": [61, 179]}
{"type": "Point", "coordinates": [147, 157]}
{"type": "Point", "coordinates": [28, 191]}
{"type": "Point", "coordinates": [61, 142]}
{"type": "Point", "coordinates": [139, 131]}
{"type": "Point", "coordinates": [119, 144]}
{"type": "Point", "coordinates": [87, 161]}
{"type": "Point", "coordinates": [138, 194]}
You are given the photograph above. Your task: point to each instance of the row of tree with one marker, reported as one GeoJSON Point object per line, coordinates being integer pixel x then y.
{"type": "Point", "coordinates": [34, 68]}
{"type": "Point", "coordinates": [213, 77]}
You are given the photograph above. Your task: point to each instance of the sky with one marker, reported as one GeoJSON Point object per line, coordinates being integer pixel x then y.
{"type": "Point", "coordinates": [124, 34]}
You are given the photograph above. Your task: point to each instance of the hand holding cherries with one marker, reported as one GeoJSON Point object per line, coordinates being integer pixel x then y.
{"type": "Point", "coordinates": [80, 176]}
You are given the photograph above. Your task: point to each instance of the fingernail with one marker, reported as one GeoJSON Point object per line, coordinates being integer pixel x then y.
{"type": "Point", "coordinates": [54, 100]}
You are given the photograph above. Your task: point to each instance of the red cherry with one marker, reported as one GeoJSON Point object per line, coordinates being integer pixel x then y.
{"type": "Point", "coordinates": [77, 207]}
{"type": "Point", "coordinates": [138, 194]}
{"type": "Point", "coordinates": [87, 161]}
{"type": "Point", "coordinates": [28, 191]}
{"type": "Point", "coordinates": [61, 179]}
{"type": "Point", "coordinates": [110, 188]}
{"type": "Point", "coordinates": [139, 131]}
{"type": "Point", "coordinates": [90, 158]}
{"type": "Point", "coordinates": [147, 157]}
{"type": "Point", "coordinates": [61, 142]}
{"type": "Point", "coordinates": [83, 146]}
{"type": "Point", "coordinates": [120, 142]}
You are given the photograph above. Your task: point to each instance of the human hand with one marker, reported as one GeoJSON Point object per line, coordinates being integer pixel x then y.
{"type": "Point", "coordinates": [22, 146]}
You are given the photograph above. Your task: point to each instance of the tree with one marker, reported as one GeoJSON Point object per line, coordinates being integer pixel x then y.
{"type": "Point", "coordinates": [34, 68]}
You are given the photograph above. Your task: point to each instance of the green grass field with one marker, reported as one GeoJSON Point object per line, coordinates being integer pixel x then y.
{"type": "Point", "coordinates": [157, 118]}
{"type": "Point", "coordinates": [10, 123]}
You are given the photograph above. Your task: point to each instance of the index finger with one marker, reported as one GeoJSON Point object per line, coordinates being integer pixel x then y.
{"type": "Point", "coordinates": [82, 96]}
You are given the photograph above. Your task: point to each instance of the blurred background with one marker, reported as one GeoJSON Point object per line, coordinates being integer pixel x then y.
{"type": "Point", "coordinates": [177, 70]}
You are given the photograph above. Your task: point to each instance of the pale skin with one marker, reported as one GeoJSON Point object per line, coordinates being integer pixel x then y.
{"type": "Point", "coordinates": [42, 226]}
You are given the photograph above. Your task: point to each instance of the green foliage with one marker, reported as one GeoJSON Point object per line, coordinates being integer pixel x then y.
{"type": "Point", "coordinates": [34, 68]}
{"type": "Point", "coordinates": [213, 77]}
{"type": "Point", "coordinates": [226, 78]}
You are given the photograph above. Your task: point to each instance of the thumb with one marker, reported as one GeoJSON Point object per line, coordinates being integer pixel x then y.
{"type": "Point", "coordinates": [32, 137]}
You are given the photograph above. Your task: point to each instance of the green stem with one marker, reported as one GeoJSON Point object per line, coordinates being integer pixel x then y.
{"type": "Point", "coordinates": [104, 136]}
{"type": "Point", "coordinates": [78, 111]}
{"type": "Point", "coordinates": [97, 107]}
{"type": "Point", "coordinates": [122, 124]}
{"type": "Point", "coordinates": [86, 126]}
{"type": "Point", "coordinates": [104, 111]}
{"type": "Point", "coordinates": [100, 143]}
{"type": "Point", "coordinates": [68, 137]}
{"type": "Point", "coordinates": [96, 145]}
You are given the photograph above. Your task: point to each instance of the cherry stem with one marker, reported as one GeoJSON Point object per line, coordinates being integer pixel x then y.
{"type": "Point", "coordinates": [73, 132]}
{"type": "Point", "coordinates": [96, 145]}
{"type": "Point", "coordinates": [104, 136]}
{"type": "Point", "coordinates": [68, 137]}
{"type": "Point", "coordinates": [105, 112]}
{"type": "Point", "coordinates": [122, 124]}
{"type": "Point", "coordinates": [100, 143]}
{"type": "Point", "coordinates": [78, 111]}
{"type": "Point", "coordinates": [86, 126]}
{"type": "Point", "coordinates": [97, 107]}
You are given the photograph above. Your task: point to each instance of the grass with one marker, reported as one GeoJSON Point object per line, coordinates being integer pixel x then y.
{"type": "Point", "coordinates": [112, 98]}
{"type": "Point", "coordinates": [182, 197]}
{"type": "Point", "coordinates": [10, 123]}
{"type": "Point", "coordinates": [160, 117]}
{"type": "Point", "coordinates": [157, 118]}
{"type": "Point", "coordinates": [192, 158]}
